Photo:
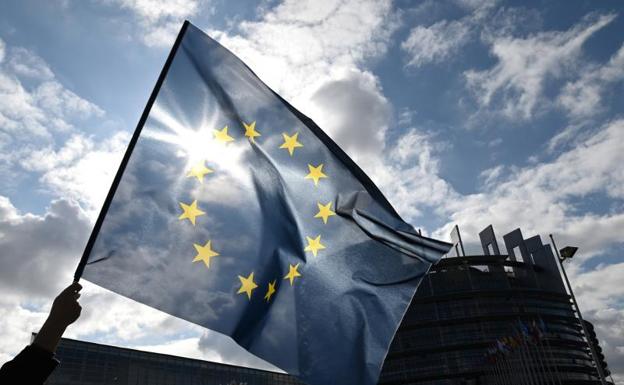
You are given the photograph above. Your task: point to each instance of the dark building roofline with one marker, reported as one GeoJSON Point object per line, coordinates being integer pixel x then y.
{"type": "Point", "coordinates": [155, 354]}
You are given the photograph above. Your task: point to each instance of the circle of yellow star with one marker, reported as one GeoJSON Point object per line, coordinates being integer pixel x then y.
{"type": "Point", "coordinates": [204, 253]}
{"type": "Point", "coordinates": [270, 291]}
{"type": "Point", "coordinates": [314, 245]}
{"type": "Point", "coordinates": [290, 142]}
{"type": "Point", "coordinates": [315, 173]}
{"type": "Point", "coordinates": [250, 130]}
{"type": "Point", "coordinates": [190, 212]}
{"type": "Point", "coordinates": [325, 212]}
{"type": "Point", "coordinates": [222, 135]}
{"type": "Point", "coordinates": [247, 285]}
{"type": "Point", "coordinates": [198, 171]}
{"type": "Point", "coordinates": [292, 273]}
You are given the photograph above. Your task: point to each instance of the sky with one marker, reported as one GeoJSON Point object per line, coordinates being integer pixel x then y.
{"type": "Point", "coordinates": [468, 112]}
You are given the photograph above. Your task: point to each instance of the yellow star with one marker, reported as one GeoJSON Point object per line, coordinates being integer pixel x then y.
{"type": "Point", "coordinates": [190, 212]}
{"type": "Point", "coordinates": [292, 273]}
{"type": "Point", "coordinates": [270, 291]}
{"type": "Point", "coordinates": [316, 173]}
{"type": "Point", "coordinates": [250, 130]}
{"type": "Point", "coordinates": [290, 142]}
{"type": "Point", "coordinates": [325, 212]}
{"type": "Point", "coordinates": [204, 253]}
{"type": "Point", "coordinates": [198, 171]}
{"type": "Point", "coordinates": [247, 285]}
{"type": "Point", "coordinates": [314, 245]}
{"type": "Point", "coordinates": [222, 135]}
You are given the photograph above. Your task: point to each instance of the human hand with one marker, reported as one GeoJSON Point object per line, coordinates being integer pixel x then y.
{"type": "Point", "coordinates": [66, 309]}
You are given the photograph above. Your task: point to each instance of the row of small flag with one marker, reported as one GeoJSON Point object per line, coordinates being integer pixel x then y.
{"type": "Point", "coordinates": [523, 335]}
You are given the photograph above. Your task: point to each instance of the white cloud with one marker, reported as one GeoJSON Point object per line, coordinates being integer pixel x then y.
{"type": "Point", "coordinates": [476, 4]}
{"type": "Point", "coordinates": [541, 197]}
{"type": "Point", "coordinates": [525, 64]}
{"type": "Point", "coordinates": [154, 11]}
{"type": "Point", "coordinates": [16, 323]}
{"type": "Point", "coordinates": [569, 134]}
{"type": "Point", "coordinates": [159, 21]}
{"type": "Point", "coordinates": [312, 53]}
{"type": "Point", "coordinates": [443, 39]}
{"type": "Point", "coordinates": [354, 112]}
{"type": "Point", "coordinates": [409, 175]}
{"type": "Point", "coordinates": [210, 346]}
{"type": "Point", "coordinates": [435, 43]}
{"type": "Point", "coordinates": [34, 247]}
{"type": "Point", "coordinates": [2, 50]}
{"type": "Point", "coordinates": [599, 293]}
{"type": "Point", "coordinates": [491, 175]}
{"type": "Point", "coordinates": [35, 118]}
{"type": "Point", "coordinates": [23, 62]}
{"type": "Point", "coordinates": [53, 98]}
{"type": "Point", "coordinates": [126, 322]}
{"type": "Point", "coordinates": [28, 114]}
{"type": "Point", "coordinates": [300, 45]}
{"type": "Point", "coordinates": [583, 97]}
{"type": "Point", "coordinates": [40, 253]}
{"type": "Point", "coordinates": [185, 347]}
{"type": "Point", "coordinates": [217, 347]}
{"type": "Point", "coordinates": [82, 169]}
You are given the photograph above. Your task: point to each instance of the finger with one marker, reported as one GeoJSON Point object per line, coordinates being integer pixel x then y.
{"type": "Point", "coordinates": [73, 288]}
{"type": "Point", "coordinates": [76, 296]}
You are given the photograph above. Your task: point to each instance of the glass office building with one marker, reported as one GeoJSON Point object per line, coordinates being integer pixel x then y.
{"type": "Point", "coordinates": [465, 324]}
{"type": "Point", "coordinates": [86, 363]}
{"type": "Point", "coordinates": [462, 328]}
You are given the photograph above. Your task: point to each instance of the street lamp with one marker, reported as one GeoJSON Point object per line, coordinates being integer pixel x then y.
{"type": "Point", "coordinates": [567, 253]}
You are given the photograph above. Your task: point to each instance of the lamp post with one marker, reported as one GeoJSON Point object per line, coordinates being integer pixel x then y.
{"type": "Point", "coordinates": [568, 252]}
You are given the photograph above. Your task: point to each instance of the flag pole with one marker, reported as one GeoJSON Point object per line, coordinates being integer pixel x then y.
{"type": "Point", "coordinates": [524, 350]}
{"type": "Point", "coordinates": [544, 365]}
{"type": "Point", "coordinates": [126, 157]}
{"type": "Point", "coordinates": [499, 371]}
{"type": "Point", "coordinates": [541, 352]}
{"type": "Point", "coordinates": [525, 362]}
{"type": "Point", "coordinates": [553, 359]}
{"type": "Point", "coordinates": [601, 374]}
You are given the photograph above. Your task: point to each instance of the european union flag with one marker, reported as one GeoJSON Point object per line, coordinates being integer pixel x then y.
{"type": "Point", "coordinates": [234, 211]}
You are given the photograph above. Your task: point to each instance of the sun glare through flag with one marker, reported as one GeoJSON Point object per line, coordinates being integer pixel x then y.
{"type": "Point", "coordinates": [236, 212]}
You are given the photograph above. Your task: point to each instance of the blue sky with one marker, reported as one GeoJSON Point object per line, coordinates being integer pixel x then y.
{"type": "Point", "coordinates": [462, 111]}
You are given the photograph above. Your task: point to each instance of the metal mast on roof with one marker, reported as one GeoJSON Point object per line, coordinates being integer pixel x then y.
{"type": "Point", "coordinates": [601, 374]}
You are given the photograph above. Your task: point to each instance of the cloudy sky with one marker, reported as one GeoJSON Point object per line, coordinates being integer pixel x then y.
{"type": "Point", "coordinates": [464, 112]}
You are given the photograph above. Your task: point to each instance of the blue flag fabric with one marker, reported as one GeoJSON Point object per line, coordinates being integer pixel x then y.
{"type": "Point", "coordinates": [234, 211]}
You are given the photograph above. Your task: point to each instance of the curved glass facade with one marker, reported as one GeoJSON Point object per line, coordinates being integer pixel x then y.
{"type": "Point", "coordinates": [465, 325]}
